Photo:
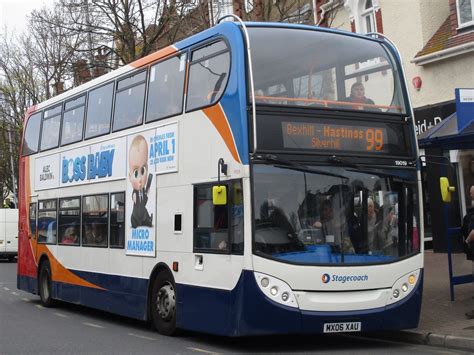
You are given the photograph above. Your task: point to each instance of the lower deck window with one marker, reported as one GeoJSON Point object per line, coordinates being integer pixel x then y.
{"type": "Point", "coordinates": [218, 228]}
{"type": "Point", "coordinates": [47, 221]}
{"type": "Point", "coordinates": [95, 219]}
{"type": "Point", "coordinates": [69, 221]}
{"type": "Point", "coordinates": [117, 220]}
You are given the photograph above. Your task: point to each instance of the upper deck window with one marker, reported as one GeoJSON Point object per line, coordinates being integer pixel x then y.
{"type": "Point", "coordinates": [325, 70]}
{"type": "Point", "coordinates": [73, 120]}
{"type": "Point", "coordinates": [99, 110]}
{"type": "Point", "coordinates": [32, 132]}
{"type": "Point", "coordinates": [50, 129]}
{"type": "Point", "coordinates": [208, 75]}
{"type": "Point", "coordinates": [166, 87]}
{"type": "Point", "coordinates": [129, 101]}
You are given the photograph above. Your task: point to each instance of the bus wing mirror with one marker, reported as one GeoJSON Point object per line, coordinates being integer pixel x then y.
{"type": "Point", "coordinates": [219, 195]}
{"type": "Point", "coordinates": [446, 189]}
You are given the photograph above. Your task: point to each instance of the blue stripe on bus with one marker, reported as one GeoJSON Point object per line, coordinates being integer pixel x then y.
{"type": "Point", "coordinates": [243, 311]}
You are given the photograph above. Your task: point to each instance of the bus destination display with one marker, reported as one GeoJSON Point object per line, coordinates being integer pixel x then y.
{"type": "Point", "coordinates": [334, 137]}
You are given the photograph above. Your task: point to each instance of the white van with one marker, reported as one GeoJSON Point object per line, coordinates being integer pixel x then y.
{"type": "Point", "coordinates": [8, 233]}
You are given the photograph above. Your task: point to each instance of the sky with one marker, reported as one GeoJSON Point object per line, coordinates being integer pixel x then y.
{"type": "Point", "coordinates": [13, 13]}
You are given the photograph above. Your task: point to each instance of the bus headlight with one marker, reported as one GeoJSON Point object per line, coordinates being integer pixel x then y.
{"type": "Point", "coordinates": [406, 284]}
{"type": "Point", "coordinates": [276, 290]}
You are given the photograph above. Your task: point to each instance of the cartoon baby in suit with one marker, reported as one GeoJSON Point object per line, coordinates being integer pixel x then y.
{"type": "Point", "coordinates": [141, 181]}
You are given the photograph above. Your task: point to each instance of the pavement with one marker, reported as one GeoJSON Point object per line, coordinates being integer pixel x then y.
{"type": "Point", "coordinates": [442, 323]}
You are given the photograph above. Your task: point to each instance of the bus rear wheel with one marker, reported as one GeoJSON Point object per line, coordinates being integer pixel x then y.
{"type": "Point", "coordinates": [163, 304]}
{"type": "Point", "coordinates": [45, 284]}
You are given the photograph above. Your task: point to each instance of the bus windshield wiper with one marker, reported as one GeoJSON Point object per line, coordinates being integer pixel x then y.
{"type": "Point", "coordinates": [284, 163]}
{"type": "Point", "coordinates": [335, 160]}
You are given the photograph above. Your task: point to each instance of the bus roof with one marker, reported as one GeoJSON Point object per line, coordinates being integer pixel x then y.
{"type": "Point", "coordinates": [221, 28]}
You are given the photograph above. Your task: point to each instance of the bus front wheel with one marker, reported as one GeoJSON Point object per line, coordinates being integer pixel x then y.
{"type": "Point", "coordinates": [163, 304]}
{"type": "Point", "coordinates": [45, 285]}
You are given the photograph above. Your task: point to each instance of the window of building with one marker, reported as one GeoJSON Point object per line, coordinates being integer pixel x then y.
{"type": "Point", "coordinates": [208, 75]}
{"type": "Point", "coordinates": [117, 220]}
{"type": "Point", "coordinates": [367, 17]}
{"type": "Point", "coordinates": [33, 220]}
{"type": "Point", "coordinates": [166, 88]}
{"type": "Point", "coordinates": [47, 217]}
{"type": "Point", "coordinates": [73, 120]}
{"type": "Point", "coordinates": [50, 129]}
{"type": "Point", "coordinates": [99, 111]}
{"type": "Point", "coordinates": [32, 133]}
{"type": "Point", "coordinates": [465, 12]}
{"type": "Point", "coordinates": [129, 101]}
{"type": "Point", "coordinates": [248, 5]}
{"type": "Point", "coordinates": [95, 219]}
{"type": "Point", "coordinates": [69, 221]}
{"type": "Point", "coordinates": [218, 228]}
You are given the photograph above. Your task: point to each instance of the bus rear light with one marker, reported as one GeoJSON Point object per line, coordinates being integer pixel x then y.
{"type": "Point", "coordinates": [276, 290]}
{"type": "Point", "coordinates": [175, 266]}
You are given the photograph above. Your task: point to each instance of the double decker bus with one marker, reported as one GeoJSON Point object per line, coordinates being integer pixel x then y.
{"type": "Point", "coordinates": [233, 183]}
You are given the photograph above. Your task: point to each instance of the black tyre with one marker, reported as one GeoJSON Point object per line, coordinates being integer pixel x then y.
{"type": "Point", "coordinates": [45, 285]}
{"type": "Point", "coordinates": [163, 304]}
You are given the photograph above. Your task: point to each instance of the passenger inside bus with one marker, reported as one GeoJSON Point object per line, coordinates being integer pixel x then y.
{"type": "Point", "coordinates": [335, 229]}
{"type": "Point", "coordinates": [95, 234]}
{"type": "Point", "coordinates": [70, 236]}
{"type": "Point", "coordinates": [358, 96]}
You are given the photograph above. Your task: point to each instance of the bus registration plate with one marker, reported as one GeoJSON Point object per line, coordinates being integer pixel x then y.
{"type": "Point", "coordinates": [342, 327]}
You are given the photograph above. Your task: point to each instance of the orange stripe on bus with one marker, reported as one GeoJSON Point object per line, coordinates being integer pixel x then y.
{"type": "Point", "coordinates": [154, 56]}
{"type": "Point", "coordinates": [62, 274]}
{"type": "Point", "coordinates": [217, 117]}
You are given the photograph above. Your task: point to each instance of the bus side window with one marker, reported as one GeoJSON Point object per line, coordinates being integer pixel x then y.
{"type": "Point", "coordinates": [211, 223]}
{"type": "Point", "coordinates": [69, 221]}
{"type": "Point", "coordinates": [166, 88]}
{"type": "Point", "coordinates": [33, 220]}
{"type": "Point", "coordinates": [219, 228]}
{"type": "Point", "coordinates": [73, 120]}
{"type": "Point", "coordinates": [99, 111]}
{"type": "Point", "coordinates": [117, 220]}
{"type": "Point", "coordinates": [50, 128]}
{"type": "Point", "coordinates": [129, 100]}
{"type": "Point", "coordinates": [95, 211]}
{"type": "Point", "coordinates": [32, 132]}
{"type": "Point", "coordinates": [208, 75]}
{"type": "Point", "coordinates": [47, 221]}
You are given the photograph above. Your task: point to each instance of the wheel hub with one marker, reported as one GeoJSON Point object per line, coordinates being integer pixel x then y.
{"type": "Point", "coordinates": [166, 302]}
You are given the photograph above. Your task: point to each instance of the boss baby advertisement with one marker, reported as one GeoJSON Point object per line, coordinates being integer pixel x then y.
{"type": "Point", "coordinates": [141, 196]}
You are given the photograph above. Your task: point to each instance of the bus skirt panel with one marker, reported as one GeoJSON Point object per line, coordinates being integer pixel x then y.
{"type": "Point", "coordinates": [247, 311]}
{"type": "Point", "coordinates": [243, 311]}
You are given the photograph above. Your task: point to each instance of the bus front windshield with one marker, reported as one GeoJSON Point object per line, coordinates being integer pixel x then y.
{"type": "Point", "coordinates": [334, 215]}
{"type": "Point", "coordinates": [323, 70]}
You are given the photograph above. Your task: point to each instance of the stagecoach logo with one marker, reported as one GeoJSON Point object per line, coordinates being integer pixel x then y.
{"type": "Point", "coordinates": [88, 167]}
{"type": "Point", "coordinates": [343, 278]}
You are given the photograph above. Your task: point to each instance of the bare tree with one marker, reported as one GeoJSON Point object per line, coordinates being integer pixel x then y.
{"type": "Point", "coordinates": [128, 29]}
{"type": "Point", "coordinates": [20, 87]}
{"type": "Point", "coordinates": [55, 47]}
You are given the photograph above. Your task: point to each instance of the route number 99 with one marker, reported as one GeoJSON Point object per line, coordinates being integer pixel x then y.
{"type": "Point", "coordinates": [374, 139]}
